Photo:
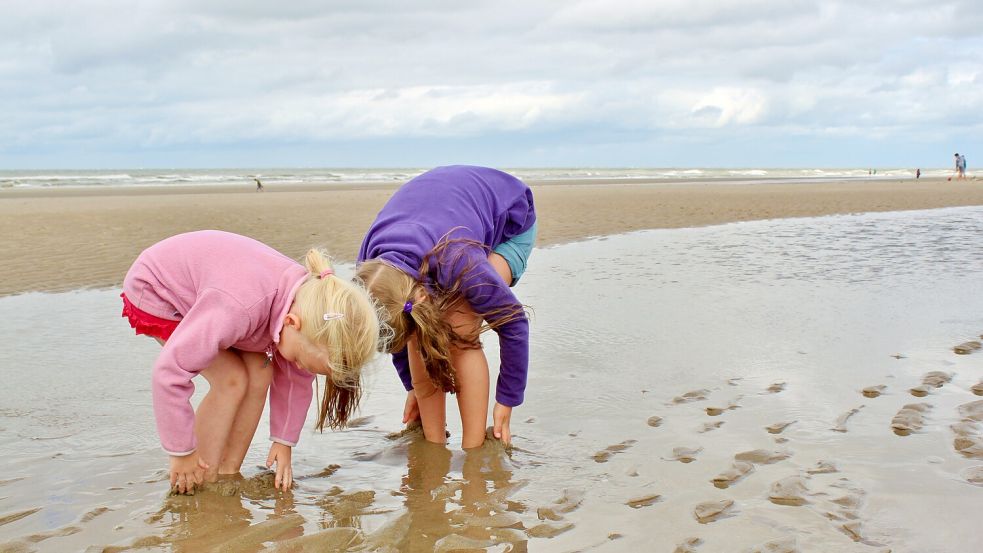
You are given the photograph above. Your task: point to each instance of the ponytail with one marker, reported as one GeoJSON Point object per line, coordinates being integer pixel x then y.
{"type": "Point", "coordinates": [340, 317]}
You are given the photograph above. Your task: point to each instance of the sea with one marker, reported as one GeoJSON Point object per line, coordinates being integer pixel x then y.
{"type": "Point", "coordinates": [370, 176]}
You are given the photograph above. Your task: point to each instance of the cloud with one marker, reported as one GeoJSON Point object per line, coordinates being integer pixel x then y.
{"type": "Point", "coordinates": [186, 74]}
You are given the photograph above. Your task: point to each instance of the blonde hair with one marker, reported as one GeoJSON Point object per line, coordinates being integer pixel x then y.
{"type": "Point", "coordinates": [392, 288]}
{"type": "Point", "coordinates": [340, 317]}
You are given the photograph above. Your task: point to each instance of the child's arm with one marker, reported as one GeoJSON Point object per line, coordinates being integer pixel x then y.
{"type": "Point", "coordinates": [215, 322]}
{"type": "Point", "coordinates": [486, 293]}
{"type": "Point", "coordinates": [291, 393]}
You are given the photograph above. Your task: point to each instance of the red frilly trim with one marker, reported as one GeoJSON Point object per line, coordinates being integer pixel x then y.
{"type": "Point", "coordinates": [145, 323]}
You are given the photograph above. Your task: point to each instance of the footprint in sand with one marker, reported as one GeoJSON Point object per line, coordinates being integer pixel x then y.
{"type": "Point", "coordinates": [969, 440]}
{"type": "Point", "coordinates": [709, 426]}
{"type": "Point", "coordinates": [695, 395]}
{"type": "Point", "coordinates": [841, 420]}
{"type": "Point", "coordinates": [823, 467]}
{"type": "Point", "coordinates": [544, 530]}
{"type": "Point", "coordinates": [775, 388]}
{"type": "Point", "coordinates": [762, 456]}
{"type": "Point", "coordinates": [781, 545]}
{"type": "Point", "coordinates": [654, 421]}
{"type": "Point", "coordinates": [934, 379]}
{"type": "Point", "coordinates": [790, 491]}
{"type": "Point", "coordinates": [843, 509]}
{"type": "Point", "coordinates": [909, 419]}
{"type": "Point", "coordinates": [689, 545]}
{"type": "Point", "coordinates": [709, 511]}
{"type": "Point", "coordinates": [606, 453]}
{"type": "Point", "coordinates": [873, 391]}
{"type": "Point", "coordinates": [778, 427]}
{"type": "Point", "coordinates": [684, 454]}
{"type": "Point", "coordinates": [569, 501]}
{"type": "Point", "coordinates": [974, 475]}
{"type": "Point", "coordinates": [977, 388]}
{"type": "Point", "coordinates": [966, 348]}
{"type": "Point", "coordinates": [643, 501]}
{"type": "Point", "coordinates": [733, 475]}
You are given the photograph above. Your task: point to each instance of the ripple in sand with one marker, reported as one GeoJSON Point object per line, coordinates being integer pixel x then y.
{"type": "Point", "coordinates": [606, 453]}
{"type": "Point", "coordinates": [329, 539]}
{"type": "Point", "coordinates": [778, 427]}
{"type": "Point", "coordinates": [684, 454]}
{"type": "Point", "coordinates": [733, 475]}
{"type": "Point", "coordinates": [966, 348]}
{"type": "Point", "coordinates": [762, 456]}
{"type": "Point", "coordinates": [643, 501]}
{"type": "Point", "coordinates": [709, 511]}
{"type": "Point", "coordinates": [909, 419]}
{"type": "Point", "coordinates": [781, 545]}
{"type": "Point", "coordinates": [689, 545]}
{"type": "Point", "coordinates": [13, 517]}
{"type": "Point", "coordinates": [841, 420]}
{"type": "Point", "coordinates": [790, 491]}
{"type": "Point", "coordinates": [873, 391]}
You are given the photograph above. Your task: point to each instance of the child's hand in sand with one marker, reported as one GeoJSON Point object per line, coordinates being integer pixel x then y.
{"type": "Point", "coordinates": [187, 471]}
{"type": "Point", "coordinates": [411, 410]}
{"type": "Point", "coordinates": [280, 454]}
{"type": "Point", "coordinates": [502, 416]}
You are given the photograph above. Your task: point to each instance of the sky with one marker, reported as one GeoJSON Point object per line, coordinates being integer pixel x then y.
{"type": "Point", "coordinates": [592, 83]}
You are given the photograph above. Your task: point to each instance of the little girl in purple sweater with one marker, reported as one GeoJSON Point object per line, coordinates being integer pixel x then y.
{"type": "Point", "coordinates": [248, 319]}
{"type": "Point", "coordinates": [440, 258]}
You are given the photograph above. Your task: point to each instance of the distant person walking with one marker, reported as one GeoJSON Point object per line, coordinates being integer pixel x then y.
{"type": "Point", "coordinates": [960, 170]}
{"type": "Point", "coordinates": [918, 173]}
{"type": "Point", "coordinates": [259, 185]}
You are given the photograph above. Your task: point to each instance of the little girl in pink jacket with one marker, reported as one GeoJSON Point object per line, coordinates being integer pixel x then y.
{"type": "Point", "coordinates": [248, 319]}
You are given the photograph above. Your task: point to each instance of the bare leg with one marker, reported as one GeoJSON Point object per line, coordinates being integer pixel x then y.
{"type": "Point", "coordinates": [430, 399]}
{"type": "Point", "coordinates": [471, 367]}
{"type": "Point", "coordinates": [471, 372]}
{"type": "Point", "coordinates": [227, 386]}
{"type": "Point", "coordinates": [259, 374]}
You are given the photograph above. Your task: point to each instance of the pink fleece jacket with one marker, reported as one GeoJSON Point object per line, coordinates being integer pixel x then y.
{"type": "Point", "coordinates": [227, 291]}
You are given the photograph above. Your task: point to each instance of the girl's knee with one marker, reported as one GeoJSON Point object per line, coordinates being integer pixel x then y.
{"type": "Point", "coordinates": [227, 375]}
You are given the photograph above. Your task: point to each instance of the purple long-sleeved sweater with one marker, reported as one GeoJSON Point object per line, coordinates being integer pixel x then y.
{"type": "Point", "coordinates": [477, 203]}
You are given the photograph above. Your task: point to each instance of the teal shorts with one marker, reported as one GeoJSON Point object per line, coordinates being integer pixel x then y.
{"type": "Point", "coordinates": [516, 252]}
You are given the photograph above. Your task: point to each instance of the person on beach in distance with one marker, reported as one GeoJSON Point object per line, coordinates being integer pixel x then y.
{"type": "Point", "coordinates": [249, 319]}
{"type": "Point", "coordinates": [259, 185]}
{"type": "Point", "coordinates": [440, 259]}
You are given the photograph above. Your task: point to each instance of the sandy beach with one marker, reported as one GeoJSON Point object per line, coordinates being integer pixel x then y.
{"type": "Point", "coordinates": [62, 239]}
{"type": "Point", "coordinates": [788, 383]}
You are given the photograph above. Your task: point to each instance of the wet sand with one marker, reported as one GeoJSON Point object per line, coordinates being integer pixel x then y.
{"type": "Point", "coordinates": [64, 239]}
{"type": "Point", "coordinates": [789, 385]}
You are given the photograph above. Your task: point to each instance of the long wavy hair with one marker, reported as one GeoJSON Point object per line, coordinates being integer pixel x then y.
{"type": "Point", "coordinates": [392, 288]}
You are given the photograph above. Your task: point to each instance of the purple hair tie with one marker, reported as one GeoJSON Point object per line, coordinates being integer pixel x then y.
{"type": "Point", "coordinates": [407, 307]}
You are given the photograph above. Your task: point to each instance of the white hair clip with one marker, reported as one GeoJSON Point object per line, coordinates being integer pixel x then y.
{"type": "Point", "coordinates": [333, 316]}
